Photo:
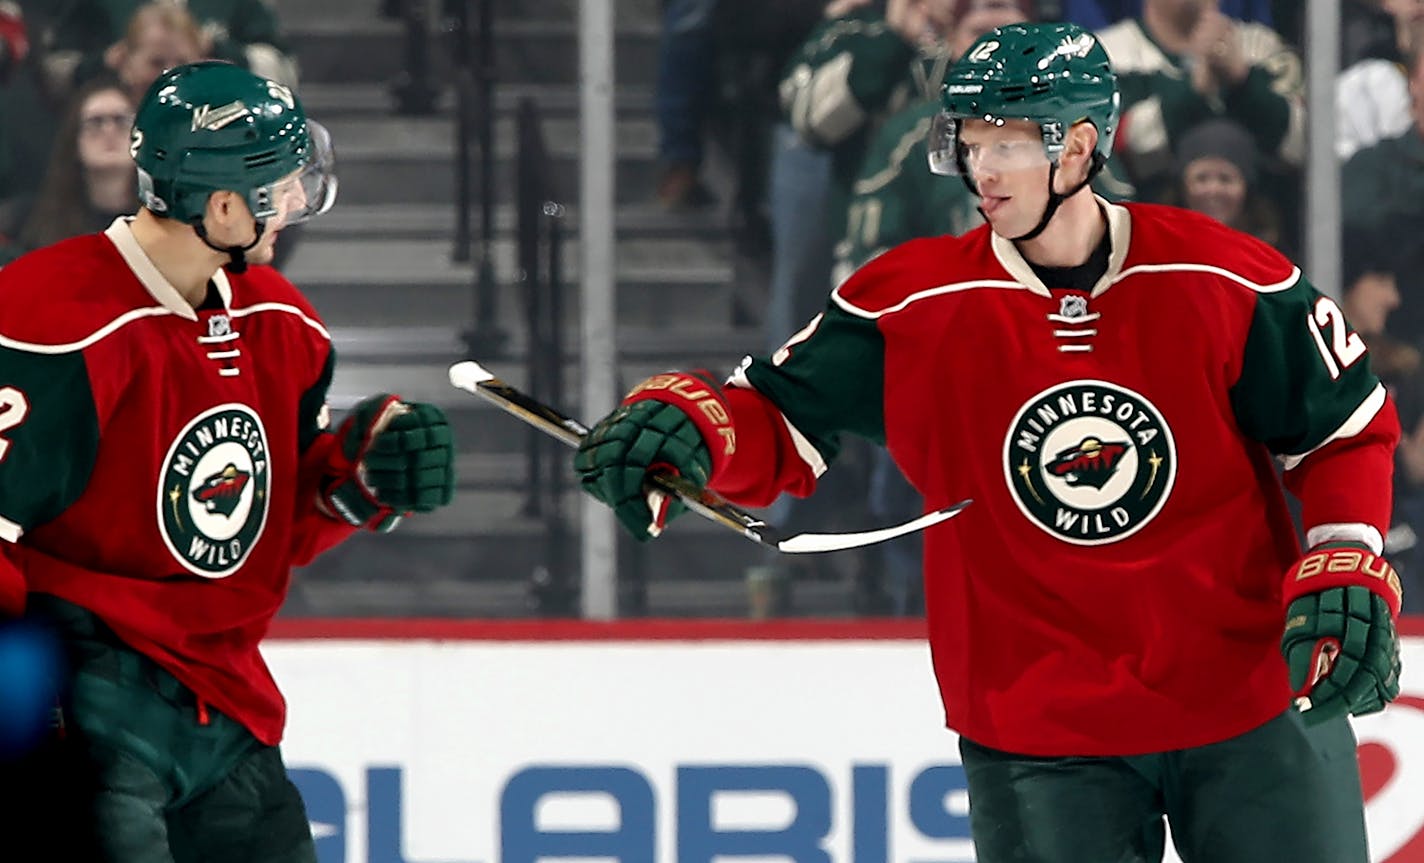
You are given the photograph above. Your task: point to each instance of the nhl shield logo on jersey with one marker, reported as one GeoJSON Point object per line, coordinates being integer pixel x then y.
{"type": "Point", "coordinates": [213, 494]}
{"type": "Point", "coordinates": [1089, 462]}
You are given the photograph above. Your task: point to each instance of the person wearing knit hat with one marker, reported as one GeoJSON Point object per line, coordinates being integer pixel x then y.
{"type": "Point", "coordinates": [963, 9]}
{"type": "Point", "coordinates": [1217, 173]}
{"type": "Point", "coordinates": [1222, 138]}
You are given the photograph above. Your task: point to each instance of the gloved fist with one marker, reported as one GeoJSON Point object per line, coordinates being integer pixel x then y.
{"type": "Point", "coordinates": [393, 458]}
{"type": "Point", "coordinates": [1340, 643]}
{"type": "Point", "coordinates": [617, 454]}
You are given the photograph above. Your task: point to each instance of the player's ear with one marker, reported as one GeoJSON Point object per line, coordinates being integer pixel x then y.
{"type": "Point", "coordinates": [1077, 156]}
{"type": "Point", "coordinates": [222, 207]}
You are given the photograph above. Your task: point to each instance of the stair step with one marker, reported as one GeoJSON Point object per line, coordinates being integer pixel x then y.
{"type": "Point", "coordinates": [391, 159]}
{"type": "Point", "coordinates": [361, 49]}
{"type": "Point", "coordinates": [423, 138]}
{"type": "Point", "coordinates": [390, 262]}
{"type": "Point", "coordinates": [325, 101]}
{"type": "Point", "coordinates": [397, 344]}
{"type": "Point", "coordinates": [413, 282]}
{"type": "Point", "coordinates": [299, 15]}
{"type": "Point", "coordinates": [426, 221]}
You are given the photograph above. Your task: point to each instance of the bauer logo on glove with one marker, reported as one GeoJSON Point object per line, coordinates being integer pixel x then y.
{"type": "Point", "coordinates": [1339, 641]}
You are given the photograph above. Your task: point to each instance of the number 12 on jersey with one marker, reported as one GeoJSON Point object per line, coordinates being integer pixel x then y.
{"type": "Point", "coordinates": [1345, 347]}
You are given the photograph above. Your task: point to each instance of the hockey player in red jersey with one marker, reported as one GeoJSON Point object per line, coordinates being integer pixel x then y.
{"type": "Point", "coordinates": [165, 460]}
{"type": "Point", "coordinates": [1109, 384]}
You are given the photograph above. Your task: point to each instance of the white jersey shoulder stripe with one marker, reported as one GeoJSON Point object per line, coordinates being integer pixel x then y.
{"type": "Point", "coordinates": [1353, 425]}
{"type": "Point", "coordinates": [953, 288]}
{"type": "Point", "coordinates": [98, 335]}
{"type": "Point", "coordinates": [1275, 288]}
{"type": "Point", "coordinates": [9, 531]}
{"type": "Point", "coordinates": [153, 311]}
{"type": "Point", "coordinates": [806, 450]}
{"type": "Point", "coordinates": [282, 307]}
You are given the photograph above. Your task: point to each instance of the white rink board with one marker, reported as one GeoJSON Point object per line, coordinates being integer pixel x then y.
{"type": "Point", "coordinates": [409, 747]}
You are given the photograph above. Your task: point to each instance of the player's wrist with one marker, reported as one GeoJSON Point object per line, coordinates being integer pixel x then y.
{"type": "Point", "coordinates": [1343, 564]}
{"type": "Point", "coordinates": [698, 395]}
{"type": "Point", "coordinates": [350, 500]}
{"type": "Point", "coordinates": [344, 493]}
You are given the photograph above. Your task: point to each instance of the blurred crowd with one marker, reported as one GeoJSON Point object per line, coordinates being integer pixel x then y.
{"type": "Point", "coordinates": [71, 72]}
{"type": "Point", "coordinates": [842, 93]}
{"type": "Point", "coordinates": [830, 105]}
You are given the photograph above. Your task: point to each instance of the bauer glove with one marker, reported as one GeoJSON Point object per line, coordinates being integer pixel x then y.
{"type": "Point", "coordinates": [392, 459]}
{"type": "Point", "coordinates": [1340, 642]}
{"type": "Point", "coordinates": [662, 426]}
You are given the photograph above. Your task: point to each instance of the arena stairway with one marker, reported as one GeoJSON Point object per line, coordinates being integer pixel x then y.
{"type": "Point", "coordinates": [379, 270]}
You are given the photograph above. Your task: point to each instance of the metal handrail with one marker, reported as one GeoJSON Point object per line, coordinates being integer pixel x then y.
{"type": "Point", "coordinates": [475, 72]}
{"type": "Point", "coordinates": [415, 90]}
{"type": "Point", "coordinates": [540, 248]}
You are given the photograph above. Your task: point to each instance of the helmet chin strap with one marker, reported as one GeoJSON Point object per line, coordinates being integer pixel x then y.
{"type": "Point", "coordinates": [237, 255]}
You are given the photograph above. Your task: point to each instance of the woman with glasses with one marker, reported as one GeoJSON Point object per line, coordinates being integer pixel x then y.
{"type": "Point", "coordinates": [90, 178]}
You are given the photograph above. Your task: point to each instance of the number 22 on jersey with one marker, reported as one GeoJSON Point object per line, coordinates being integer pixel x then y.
{"type": "Point", "coordinates": [13, 407]}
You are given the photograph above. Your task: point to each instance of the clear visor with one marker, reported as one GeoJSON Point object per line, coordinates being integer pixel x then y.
{"type": "Point", "coordinates": [993, 148]}
{"type": "Point", "coordinates": [307, 192]}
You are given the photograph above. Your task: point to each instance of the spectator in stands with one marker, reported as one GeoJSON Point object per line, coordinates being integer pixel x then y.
{"type": "Point", "coordinates": [14, 48]}
{"type": "Point", "coordinates": [799, 203]}
{"type": "Point", "coordinates": [159, 36]}
{"type": "Point", "coordinates": [1371, 294]}
{"type": "Point", "coordinates": [856, 70]}
{"type": "Point", "coordinates": [245, 32]}
{"type": "Point", "coordinates": [861, 65]}
{"type": "Point", "coordinates": [1368, 29]}
{"type": "Point", "coordinates": [1183, 62]}
{"type": "Point", "coordinates": [754, 42]}
{"type": "Point", "coordinates": [1096, 14]}
{"type": "Point", "coordinates": [14, 39]}
{"type": "Point", "coordinates": [863, 62]}
{"type": "Point", "coordinates": [1218, 174]}
{"type": "Point", "coordinates": [90, 179]}
{"type": "Point", "coordinates": [1372, 96]}
{"type": "Point", "coordinates": [1382, 191]}
{"type": "Point", "coordinates": [685, 91]}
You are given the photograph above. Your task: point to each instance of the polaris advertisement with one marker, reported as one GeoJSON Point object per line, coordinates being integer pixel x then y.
{"type": "Point", "coordinates": [635, 743]}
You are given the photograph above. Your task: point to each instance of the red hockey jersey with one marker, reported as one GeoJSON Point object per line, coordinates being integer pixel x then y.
{"type": "Point", "coordinates": [158, 464]}
{"type": "Point", "coordinates": [1116, 586]}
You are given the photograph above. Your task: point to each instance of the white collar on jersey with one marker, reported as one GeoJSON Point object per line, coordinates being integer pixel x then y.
{"type": "Point", "coordinates": [1119, 229]}
{"type": "Point", "coordinates": [120, 233]}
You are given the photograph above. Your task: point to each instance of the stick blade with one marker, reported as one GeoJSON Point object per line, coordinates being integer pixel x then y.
{"type": "Point", "coordinates": [812, 543]}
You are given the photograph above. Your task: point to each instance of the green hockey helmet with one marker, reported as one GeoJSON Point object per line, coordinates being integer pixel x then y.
{"type": "Point", "coordinates": [1055, 75]}
{"type": "Point", "coordinates": [212, 126]}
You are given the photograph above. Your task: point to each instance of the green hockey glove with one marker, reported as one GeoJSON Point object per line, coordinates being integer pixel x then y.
{"type": "Point", "coordinates": [394, 458]}
{"type": "Point", "coordinates": [1339, 642]}
{"type": "Point", "coordinates": [621, 449]}
{"type": "Point", "coordinates": [663, 425]}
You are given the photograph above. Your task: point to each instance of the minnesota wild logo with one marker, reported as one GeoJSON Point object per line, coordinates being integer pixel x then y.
{"type": "Point", "coordinates": [222, 492]}
{"type": "Point", "coordinates": [213, 493]}
{"type": "Point", "coordinates": [1089, 462]}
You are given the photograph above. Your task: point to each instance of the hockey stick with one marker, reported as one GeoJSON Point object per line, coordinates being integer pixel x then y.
{"type": "Point", "coordinates": [473, 378]}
